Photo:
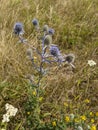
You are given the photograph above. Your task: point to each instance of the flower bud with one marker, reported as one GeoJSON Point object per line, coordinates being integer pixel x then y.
{"type": "Point", "coordinates": [29, 53]}
{"type": "Point", "coordinates": [45, 28]}
{"type": "Point", "coordinates": [48, 40]}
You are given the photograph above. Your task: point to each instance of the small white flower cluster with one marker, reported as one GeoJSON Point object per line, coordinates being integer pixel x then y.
{"type": "Point", "coordinates": [11, 111]}
{"type": "Point", "coordinates": [91, 63]}
{"type": "Point", "coordinates": [80, 128]}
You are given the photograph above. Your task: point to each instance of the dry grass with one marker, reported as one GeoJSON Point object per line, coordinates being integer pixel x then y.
{"type": "Point", "coordinates": [76, 30]}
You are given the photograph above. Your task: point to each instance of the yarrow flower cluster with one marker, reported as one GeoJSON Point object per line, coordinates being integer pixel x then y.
{"type": "Point", "coordinates": [10, 111]}
{"type": "Point", "coordinates": [91, 63]}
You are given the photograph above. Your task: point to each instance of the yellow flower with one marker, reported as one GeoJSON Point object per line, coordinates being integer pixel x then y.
{"type": "Point", "coordinates": [35, 58]}
{"type": "Point", "coordinates": [96, 114]}
{"type": "Point", "coordinates": [91, 113]}
{"type": "Point", "coordinates": [40, 99]}
{"type": "Point", "coordinates": [77, 120]}
{"type": "Point", "coordinates": [65, 104]}
{"type": "Point", "coordinates": [28, 113]}
{"type": "Point", "coordinates": [54, 123]}
{"type": "Point", "coordinates": [92, 120]}
{"type": "Point", "coordinates": [87, 101]}
{"type": "Point", "coordinates": [34, 93]}
{"type": "Point", "coordinates": [83, 117]}
{"type": "Point", "coordinates": [93, 127]}
{"type": "Point", "coordinates": [67, 119]}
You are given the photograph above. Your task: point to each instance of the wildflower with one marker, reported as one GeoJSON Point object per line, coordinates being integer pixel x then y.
{"type": "Point", "coordinates": [92, 120]}
{"type": "Point", "coordinates": [34, 93]}
{"type": "Point", "coordinates": [46, 28]}
{"type": "Point", "coordinates": [28, 113]}
{"type": "Point", "coordinates": [54, 50]}
{"type": "Point", "coordinates": [6, 118]}
{"type": "Point", "coordinates": [67, 119]}
{"type": "Point", "coordinates": [65, 104]}
{"type": "Point", "coordinates": [35, 22]}
{"type": "Point", "coordinates": [88, 127]}
{"type": "Point", "coordinates": [54, 123]}
{"type": "Point", "coordinates": [96, 113]}
{"type": "Point", "coordinates": [35, 58]}
{"type": "Point", "coordinates": [72, 116]}
{"type": "Point", "coordinates": [69, 58]}
{"type": "Point", "coordinates": [91, 114]}
{"type": "Point", "coordinates": [80, 128]}
{"type": "Point", "coordinates": [77, 120]}
{"type": "Point", "coordinates": [87, 101]}
{"type": "Point", "coordinates": [51, 31]}
{"type": "Point", "coordinates": [11, 111]}
{"type": "Point", "coordinates": [83, 117]}
{"type": "Point", "coordinates": [48, 40]}
{"type": "Point", "coordinates": [40, 99]}
{"type": "Point", "coordinates": [93, 127]}
{"type": "Point", "coordinates": [18, 28]}
{"type": "Point", "coordinates": [91, 63]}
{"type": "Point", "coordinates": [29, 53]}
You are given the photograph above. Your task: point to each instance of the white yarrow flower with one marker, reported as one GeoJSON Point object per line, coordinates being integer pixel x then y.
{"type": "Point", "coordinates": [88, 127]}
{"type": "Point", "coordinates": [10, 111]}
{"type": "Point", "coordinates": [91, 63]}
{"type": "Point", "coordinates": [80, 128]}
{"type": "Point", "coordinates": [6, 118]}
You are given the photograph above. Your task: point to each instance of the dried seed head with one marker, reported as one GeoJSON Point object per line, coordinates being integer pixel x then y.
{"type": "Point", "coordinates": [46, 28]}
{"type": "Point", "coordinates": [69, 58]}
{"type": "Point", "coordinates": [48, 40]}
{"type": "Point", "coordinates": [29, 53]}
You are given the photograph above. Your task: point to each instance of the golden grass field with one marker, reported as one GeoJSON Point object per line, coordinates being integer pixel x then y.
{"type": "Point", "coordinates": [76, 31]}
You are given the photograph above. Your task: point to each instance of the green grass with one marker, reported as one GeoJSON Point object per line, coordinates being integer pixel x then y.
{"type": "Point", "coordinates": [76, 31]}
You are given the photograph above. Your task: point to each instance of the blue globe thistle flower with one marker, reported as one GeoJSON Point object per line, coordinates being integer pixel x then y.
{"type": "Point", "coordinates": [18, 28]}
{"type": "Point", "coordinates": [51, 31]}
{"type": "Point", "coordinates": [54, 50]}
{"type": "Point", "coordinates": [35, 22]}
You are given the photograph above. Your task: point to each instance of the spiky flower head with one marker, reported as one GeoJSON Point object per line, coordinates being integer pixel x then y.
{"type": "Point", "coordinates": [80, 128]}
{"type": "Point", "coordinates": [51, 31]}
{"type": "Point", "coordinates": [18, 28]}
{"type": "Point", "coordinates": [35, 22]}
{"type": "Point", "coordinates": [48, 40]}
{"type": "Point", "coordinates": [54, 50]}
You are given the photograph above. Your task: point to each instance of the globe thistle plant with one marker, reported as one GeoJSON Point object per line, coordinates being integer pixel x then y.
{"type": "Point", "coordinates": [47, 51]}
